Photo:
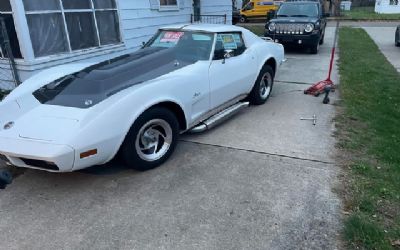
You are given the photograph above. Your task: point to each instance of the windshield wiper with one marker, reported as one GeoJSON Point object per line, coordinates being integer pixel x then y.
{"type": "Point", "coordinates": [282, 15]}
{"type": "Point", "coordinates": [299, 16]}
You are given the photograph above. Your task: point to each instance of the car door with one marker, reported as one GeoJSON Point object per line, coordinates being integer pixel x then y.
{"type": "Point", "coordinates": [230, 77]}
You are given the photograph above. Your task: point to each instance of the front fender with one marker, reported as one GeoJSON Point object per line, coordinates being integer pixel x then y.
{"type": "Point", "coordinates": [115, 116]}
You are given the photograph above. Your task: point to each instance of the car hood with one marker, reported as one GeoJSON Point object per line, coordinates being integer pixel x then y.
{"type": "Point", "coordinates": [33, 121]}
{"type": "Point", "coordinates": [96, 83]}
{"type": "Point", "coordinates": [294, 20]}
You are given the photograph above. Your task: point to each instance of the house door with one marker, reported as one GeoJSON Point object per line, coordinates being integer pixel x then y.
{"type": "Point", "coordinates": [196, 10]}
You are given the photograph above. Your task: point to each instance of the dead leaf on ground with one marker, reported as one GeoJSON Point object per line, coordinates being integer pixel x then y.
{"type": "Point", "coordinates": [396, 243]}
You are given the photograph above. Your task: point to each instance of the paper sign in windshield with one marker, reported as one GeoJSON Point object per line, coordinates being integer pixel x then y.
{"type": "Point", "coordinates": [229, 41]}
{"type": "Point", "coordinates": [171, 37]}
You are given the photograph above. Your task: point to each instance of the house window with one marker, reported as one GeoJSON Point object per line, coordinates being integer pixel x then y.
{"type": "Point", "coordinates": [58, 26]}
{"type": "Point", "coordinates": [168, 3]}
{"type": "Point", "coordinates": [7, 17]}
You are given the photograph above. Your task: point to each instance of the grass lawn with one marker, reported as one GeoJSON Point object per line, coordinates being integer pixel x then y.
{"type": "Point", "coordinates": [368, 13]}
{"type": "Point", "coordinates": [369, 139]}
{"type": "Point", "coordinates": [259, 30]}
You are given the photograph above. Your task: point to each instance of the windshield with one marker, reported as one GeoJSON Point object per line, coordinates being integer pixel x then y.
{"type": "Point", "coordinates": [188, 45]}
{"type": "Point", "coordinates": [298, 10]}
{"type": "Point", "coordinates": [249, 6]}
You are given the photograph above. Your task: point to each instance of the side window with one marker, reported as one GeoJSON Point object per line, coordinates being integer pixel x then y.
{"type": "Point", "coordinates": [168, 3]}
{"type": "Point", "coordinates": [229, 41]}
{"type": "Point", "coordinates": [249, 6]}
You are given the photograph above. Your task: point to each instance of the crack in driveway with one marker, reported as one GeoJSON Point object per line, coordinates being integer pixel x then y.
{"type": "Point", "coordinates": [259, 152]}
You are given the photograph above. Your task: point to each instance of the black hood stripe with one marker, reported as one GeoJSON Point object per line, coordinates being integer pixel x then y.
{"type": "Point", "coordinates": [95, 83]}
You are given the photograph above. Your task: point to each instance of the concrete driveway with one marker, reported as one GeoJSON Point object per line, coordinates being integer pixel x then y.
{"type": "Point", "coordinates": [384, 38]}
{"type": "Point", "coordinates": [262, 180]}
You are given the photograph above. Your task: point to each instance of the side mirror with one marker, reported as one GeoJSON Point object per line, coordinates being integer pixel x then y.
{"type": "Point", "coordinates": [228, 53]}
{"type": "Point", "coordinates": [271, 14]}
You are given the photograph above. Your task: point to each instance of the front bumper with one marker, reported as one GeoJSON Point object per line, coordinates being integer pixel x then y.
{"type": "Point", "coordinates": [38, 154]}
{"type": "Point", "coordinates": [306, 39]}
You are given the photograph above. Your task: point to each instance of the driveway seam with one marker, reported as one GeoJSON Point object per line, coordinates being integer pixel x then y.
{"type": "Point", "coordinates": [291, 82]}
{"type": "Point", "coordinates": [259, 152]}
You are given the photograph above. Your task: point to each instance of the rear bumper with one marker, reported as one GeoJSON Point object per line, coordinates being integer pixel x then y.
{"type": "Point", "coordinates": [38, 154]}
{"type": "Point", "coordinates": [310, 39]}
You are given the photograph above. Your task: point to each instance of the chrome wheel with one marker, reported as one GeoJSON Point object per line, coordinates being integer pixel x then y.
{"type": "Point", "coordinates": [153, 140]}
{"type": "Point", "coordinates": [265, 85]}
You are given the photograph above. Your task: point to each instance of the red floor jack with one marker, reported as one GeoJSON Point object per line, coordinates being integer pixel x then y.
{"type": "Point", "coordinates": [327, 85]}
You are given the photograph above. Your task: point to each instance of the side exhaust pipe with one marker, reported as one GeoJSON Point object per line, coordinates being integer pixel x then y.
{"type": "Point", "coordinates": [219, 117]}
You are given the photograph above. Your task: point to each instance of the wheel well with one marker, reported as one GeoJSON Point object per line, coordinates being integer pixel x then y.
{"type": "Point", "coordinates": [177, 110]}
{"type": "Point", "coordinates": [272, 63]}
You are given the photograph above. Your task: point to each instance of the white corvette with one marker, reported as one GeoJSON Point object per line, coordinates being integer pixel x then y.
{"type": "Point", "coordinates": [186, 78]}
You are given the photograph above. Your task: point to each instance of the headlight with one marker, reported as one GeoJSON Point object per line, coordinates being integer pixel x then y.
{"type": "Point", "coordinates": [272, 27]}
{"type": "Point", "coordinates": [309, 27]}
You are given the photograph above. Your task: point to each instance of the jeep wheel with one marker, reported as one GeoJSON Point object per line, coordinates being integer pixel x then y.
{"type": "Point", "coordinates": [322, 39]}
{"type": "Point", "coordinates": [314, 48]}
{"type": "Point", "coordinates": [151, 140]}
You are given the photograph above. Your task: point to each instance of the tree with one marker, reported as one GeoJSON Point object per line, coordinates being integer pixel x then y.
{"type": "Point", "coordinates": [335, 7]}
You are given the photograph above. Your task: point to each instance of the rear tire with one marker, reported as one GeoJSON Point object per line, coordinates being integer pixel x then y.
{"type": "Point", "coordinates": [243, 19]}
{"type": "Point", "coordinates": [263, 87]}
{"type": "Point", "coordinates": [151, 140]}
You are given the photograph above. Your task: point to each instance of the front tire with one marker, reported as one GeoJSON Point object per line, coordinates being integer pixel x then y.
{"type": "Point", "coordinates": [397, 38]}
{"type": "Point", "coordinates": [322, 39]}
{"type": "Point", "coordinates": [315, 48]}
{"type": "Point", "coordinates": [263, 87]}
{"type": "Point", "coordinates": [151, 140]}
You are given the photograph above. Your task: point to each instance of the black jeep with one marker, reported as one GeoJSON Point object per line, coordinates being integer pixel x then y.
{"type": "Point", "coordinates": [298, 22]}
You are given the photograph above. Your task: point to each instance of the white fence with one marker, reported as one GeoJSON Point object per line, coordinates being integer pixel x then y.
{"type": "Point", "coordinates": [387, 6]}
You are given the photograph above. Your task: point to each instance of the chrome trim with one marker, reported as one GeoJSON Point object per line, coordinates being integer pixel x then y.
{"type": "Point", "coordinates": [219, 117]}
{"type": "Point", "coordinates": [290, 28]}
{"type": "Point", "coordinates": [216, 110]}
{"type": "Point", "coordinates": [267, 39]}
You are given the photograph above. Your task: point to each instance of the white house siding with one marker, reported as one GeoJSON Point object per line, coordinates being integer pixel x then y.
{"type": "Point", "coordinates": [138, 22]}
{"type": "Point", "coordinates": [384, 7]}
{"type": "Point", "coordinates": [217, 7]}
